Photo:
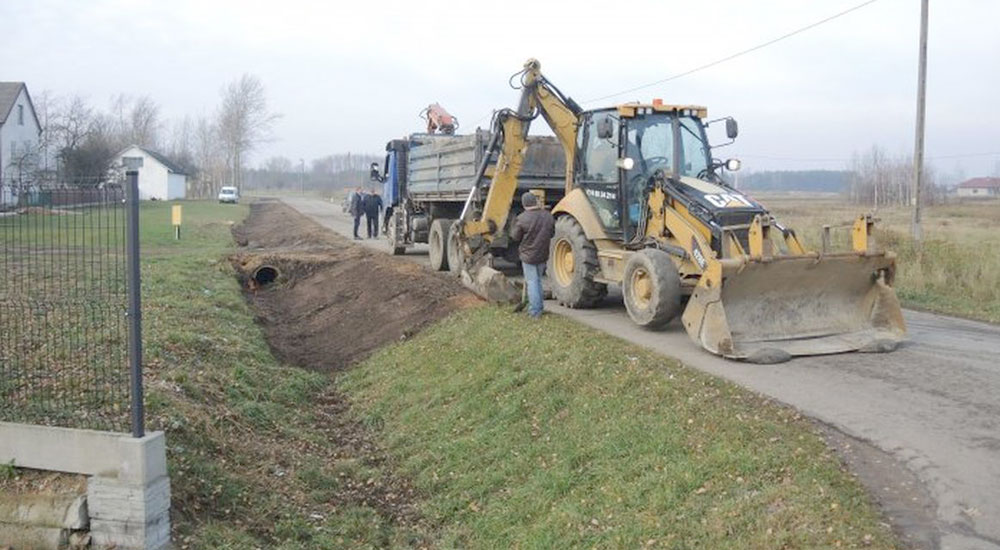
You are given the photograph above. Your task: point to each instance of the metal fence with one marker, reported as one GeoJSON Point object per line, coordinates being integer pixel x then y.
{"type": "Point", "coordinates": [65, 310]}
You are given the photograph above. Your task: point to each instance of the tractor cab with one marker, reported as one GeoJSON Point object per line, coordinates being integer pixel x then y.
{"type": "Point", "coordinates": [626, 151]}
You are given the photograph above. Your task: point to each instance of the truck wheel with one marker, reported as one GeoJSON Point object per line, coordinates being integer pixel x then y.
{"type": "Point", "coordinates": [438, 240]}
{"type": "Point", "coordinates": [394, 239]}
{"type": "Point", "coordinates": [456, 255]}
{"type": "Point", "coordinates": [651, 288]}
{"type": "Point", "coordinates": [573, 265]}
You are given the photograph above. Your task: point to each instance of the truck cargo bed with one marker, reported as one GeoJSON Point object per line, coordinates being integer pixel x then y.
{"type": "Point", "coordinates": [443, 168]}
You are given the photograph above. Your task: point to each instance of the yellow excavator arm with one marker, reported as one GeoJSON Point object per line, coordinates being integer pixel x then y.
{"type": "Point", "coordinates": [561, 114]}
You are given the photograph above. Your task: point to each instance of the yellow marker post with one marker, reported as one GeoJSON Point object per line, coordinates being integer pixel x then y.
{"type": "Point", "coordinates": [175, 218]}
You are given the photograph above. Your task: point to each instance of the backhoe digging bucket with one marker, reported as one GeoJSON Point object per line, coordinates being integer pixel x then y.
{"type": "Point", "coordinates": [490, 284]}
{"type": "Point", "coordinates": [768, 310]}
{"type": "Point", "coordinates": [476, 273]}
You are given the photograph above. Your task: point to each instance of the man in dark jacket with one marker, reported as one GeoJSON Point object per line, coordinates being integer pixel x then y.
{"type": "Point", "coordinates": [373, 207]}
{"type": "Point", "coordinates": [533, 229]}
{"type": "Point", "coordinates": [357, 209]}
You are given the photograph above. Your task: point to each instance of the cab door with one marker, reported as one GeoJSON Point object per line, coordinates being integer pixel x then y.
{"type": "Point", "coordinates": [597, 171]}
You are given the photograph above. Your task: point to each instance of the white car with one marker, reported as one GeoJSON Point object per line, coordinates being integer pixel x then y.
{"type": "Point", "coordinates": [229, 194]}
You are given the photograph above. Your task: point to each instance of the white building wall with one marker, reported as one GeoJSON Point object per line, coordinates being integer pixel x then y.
{"type": "Point", "coordinates": [153, 176]}
{"type": "Point", "coordinates": [982, 192]}
{"type": "Point", "coordinates": [16, 138]}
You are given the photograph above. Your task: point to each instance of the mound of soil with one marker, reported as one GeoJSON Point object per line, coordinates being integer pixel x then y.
{"type": "Point", "coordinates": [333, 302]}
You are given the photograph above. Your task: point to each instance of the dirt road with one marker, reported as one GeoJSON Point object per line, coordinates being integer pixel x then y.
{"type": "Point", "coordinates": [933, 405]}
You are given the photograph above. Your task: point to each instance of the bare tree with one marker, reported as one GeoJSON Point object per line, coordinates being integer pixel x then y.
{"type": "Point", "coordinates": [883, 180]}
{"type": "Point", "coordinates": [244, 121]}
{"type": "Point", "coordinates": [181, 148]}
{"type": "Point", "coordinates": [210, 158]}
{"type": "Point", "coordinates": [73, 123]}
{"type": "Point", "coordinates": [134, 121]}
{"type": "Point", "coordinates": [144, 122]}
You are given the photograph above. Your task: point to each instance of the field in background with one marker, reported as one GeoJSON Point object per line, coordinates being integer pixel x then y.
{"type": "Point", "coordinates": [956, 273]}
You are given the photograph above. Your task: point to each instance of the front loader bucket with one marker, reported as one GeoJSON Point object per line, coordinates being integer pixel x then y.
{"type": "Point", "coordinates": [769, 310]}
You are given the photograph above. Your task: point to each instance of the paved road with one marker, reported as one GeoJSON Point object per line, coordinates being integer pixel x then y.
{"type": "Point", "coordinates": [933, 405]}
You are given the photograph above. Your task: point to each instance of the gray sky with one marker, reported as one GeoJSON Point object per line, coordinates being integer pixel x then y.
{"type": "Point", "coordinates": [348, 76]}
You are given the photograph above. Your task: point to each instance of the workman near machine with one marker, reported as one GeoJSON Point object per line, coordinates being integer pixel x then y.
{"type": "Point", "coordinates": [357, 210]}
{"type": "Point", "coordinates": [533, 229]}
{"type": "Point", "coordinates": [373, 207]}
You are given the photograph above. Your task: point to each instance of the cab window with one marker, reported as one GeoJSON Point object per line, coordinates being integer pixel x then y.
{"type": "Point", "coordinates": [598, 169]}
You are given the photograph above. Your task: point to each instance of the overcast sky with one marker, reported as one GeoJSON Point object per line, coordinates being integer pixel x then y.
{"type": "Point", "coordinates": [348, 76]}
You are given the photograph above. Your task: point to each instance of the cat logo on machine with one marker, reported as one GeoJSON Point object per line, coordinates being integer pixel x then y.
{"type": "Point", "coordinates": [728, 200]}
{"type": "Point", "coordinates": [697, 254]}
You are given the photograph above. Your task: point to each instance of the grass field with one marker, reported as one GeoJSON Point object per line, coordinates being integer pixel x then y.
{"type": "Point", "coordinates": [958, 270]}
{"type": "Point", "coordinates": [552, 435]}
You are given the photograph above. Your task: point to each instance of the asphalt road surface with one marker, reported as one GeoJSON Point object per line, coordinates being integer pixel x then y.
{"type": "Point", "coordinates": [933, 406]}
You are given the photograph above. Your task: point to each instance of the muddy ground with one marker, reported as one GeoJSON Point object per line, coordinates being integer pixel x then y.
{"type": "Point", "coordinates": [333, 302]}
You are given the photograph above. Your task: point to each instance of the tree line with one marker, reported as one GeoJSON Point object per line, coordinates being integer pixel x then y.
{"type": "Point", "coordinates": [79, 140]}
{"type": "Point", "coordinates": [326, 173]}
{"type": "Point", "coordinates": [872, 177]}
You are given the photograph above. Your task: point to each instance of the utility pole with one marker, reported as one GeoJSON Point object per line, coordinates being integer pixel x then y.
{"type": "Point", "coordinates": [302, 176]}
{"type": "Point", "coordinates": [918, 154]}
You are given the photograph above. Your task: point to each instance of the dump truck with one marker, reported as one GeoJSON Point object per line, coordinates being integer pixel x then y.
{"type": "Point", "coordinates": [429, 179]}
{"type": "Point", "coordinates": [646, 207]}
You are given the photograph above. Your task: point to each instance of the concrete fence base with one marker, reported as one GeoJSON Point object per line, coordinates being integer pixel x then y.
{"type": "Point", "coordinates": [128, 491]}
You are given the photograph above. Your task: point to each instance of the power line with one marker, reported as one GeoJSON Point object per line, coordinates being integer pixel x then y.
{"type": "Point", "coordinates": [735, 55]}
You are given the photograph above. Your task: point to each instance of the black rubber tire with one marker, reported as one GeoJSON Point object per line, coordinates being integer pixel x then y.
{"type": "Point", "coordinates": [437, 241]}
{"type": "Point", "coordinates": [581, 291]}
{"type": "Point", "coordinates": [664, 300]}
{"type": "Point", "coordinates": [391, 238]}
{"type": "Point", "coordinates": [456, 257]}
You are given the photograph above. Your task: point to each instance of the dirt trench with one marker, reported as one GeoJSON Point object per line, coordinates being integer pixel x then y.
{"type": "Point", "coordinates": [331, 302]}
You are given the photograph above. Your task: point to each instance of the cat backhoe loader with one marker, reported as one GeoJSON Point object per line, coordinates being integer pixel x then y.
{"type": "Point", "coordinates": [646, 207]}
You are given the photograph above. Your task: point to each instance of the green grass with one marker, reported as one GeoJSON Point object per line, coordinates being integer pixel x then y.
{"type": "Point", "coordinates": [553, 435]}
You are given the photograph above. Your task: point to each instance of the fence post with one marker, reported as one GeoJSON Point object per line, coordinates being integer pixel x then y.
{"type": "Point", "coordinates": [134, 301]}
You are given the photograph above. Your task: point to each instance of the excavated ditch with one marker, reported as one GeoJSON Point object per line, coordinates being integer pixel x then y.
{"type": "Point", "coordinates": [325, 302]}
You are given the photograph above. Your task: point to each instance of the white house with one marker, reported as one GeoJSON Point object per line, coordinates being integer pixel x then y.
{"type": "Point", "coordinates": [19, 136]}
{"type": "Point", "coordinates": [159, 177]}
{"type": "Point", "coordinates": [983, 188]}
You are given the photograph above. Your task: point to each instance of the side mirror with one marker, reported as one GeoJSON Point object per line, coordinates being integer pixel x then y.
{"type": "Point", "coordinates": [733, 165]}
{"type": "Point", "coordinates": [605, 128]}
{"type": "Point", "coordinates": [732, 129]}
{"type": "Point", "coordinates": [375, 172]}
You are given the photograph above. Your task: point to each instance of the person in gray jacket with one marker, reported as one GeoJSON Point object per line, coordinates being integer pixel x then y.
{"type": "Point", "coordinates": [533, 229]}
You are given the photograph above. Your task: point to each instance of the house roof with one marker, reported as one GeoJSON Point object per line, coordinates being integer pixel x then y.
{"type": "Point", "coordinates": [8, 97]}
{"type": "Point", "coordinates": [162, 159]}
{"type": "Point", "coordinates": [980, 183]}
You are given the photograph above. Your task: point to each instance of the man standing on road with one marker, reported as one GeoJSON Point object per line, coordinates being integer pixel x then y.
{"type": "Point", "coordinates": [357, 209]}
{"type": "Point", "coordinates": [373, 207]}
{"type": "Point", "coordinates": [533, 229]}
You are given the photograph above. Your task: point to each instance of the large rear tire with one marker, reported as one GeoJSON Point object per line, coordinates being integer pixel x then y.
{"type": "Point", "coordinates": [456, 256]}
{"type": "Point", "coordinates": [437, 240]}
{"type": "Point", "coordinates": [651, 288]}
{"type": "Point", "coordinates": [573, 265]}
